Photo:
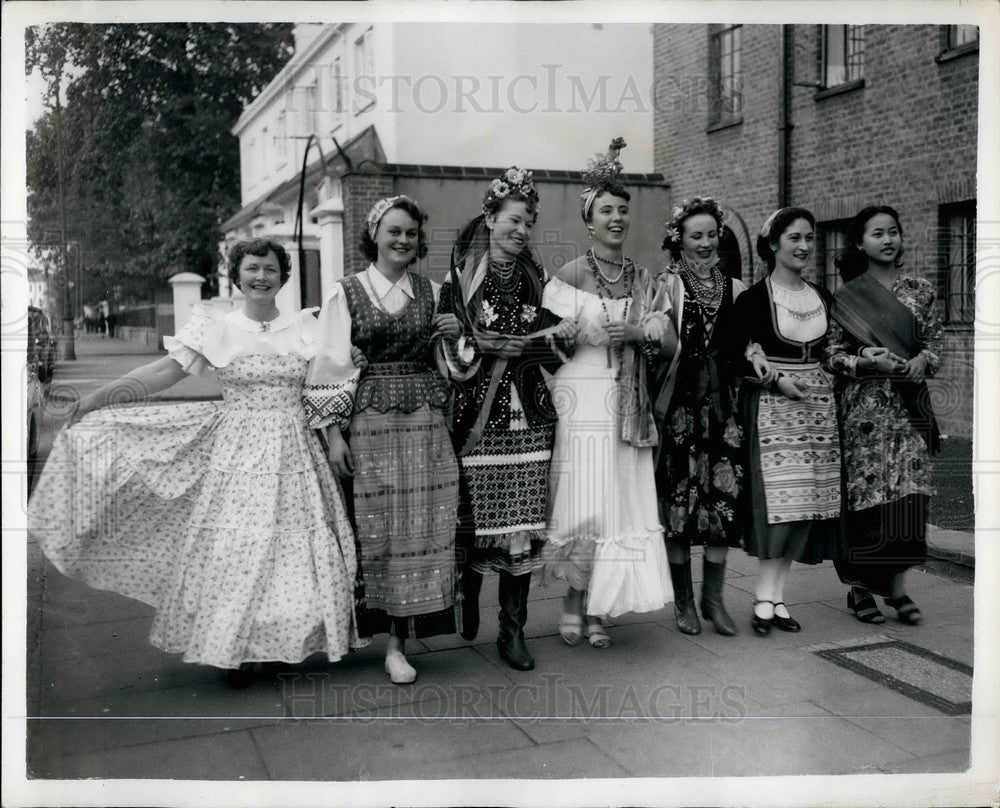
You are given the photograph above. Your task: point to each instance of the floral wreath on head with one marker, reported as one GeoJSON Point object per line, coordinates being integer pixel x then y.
{"type": "Point", "coordinates": [514, 181]}
{"type": "Point", "coordinates": [685, 209]}
{"type": "Point", "coordinates": [602, 174]}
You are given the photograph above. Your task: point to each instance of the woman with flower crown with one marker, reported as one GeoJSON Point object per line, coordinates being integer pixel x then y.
{"type": "Point", "coordinates": [605, 538]}
{"type": "Point", "coordinates": [503, 417]}
{"type": "Point", "coordinates": [699, 471]}
{"type": "Point", "coordinates": [386, 430]}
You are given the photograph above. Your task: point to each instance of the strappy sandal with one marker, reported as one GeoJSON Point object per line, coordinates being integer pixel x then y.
{"type": "Point", "coordinates": [864, 606]}
{"type": "Point", "coordinates": [906, 610]}
{"type": "Point", "coordinates": [597, 636]}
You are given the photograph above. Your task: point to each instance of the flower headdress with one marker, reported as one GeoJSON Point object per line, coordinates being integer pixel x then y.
{"type": "Point", "coordinates": [516, 182]}
{"type": "Point", "coordinates": [603, 171]}
{"type": "Point", "coordinates": [379, 210]}
{"type": "Point", "coordinates": [688, 207]}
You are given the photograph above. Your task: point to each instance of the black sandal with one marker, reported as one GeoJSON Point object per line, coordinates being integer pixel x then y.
{"type": "Point", "coordinates": [762, 625]}
{"type": "Point", "coordinates": [906, 610]}
{"type": "Point", "coordinates": [864, 606]}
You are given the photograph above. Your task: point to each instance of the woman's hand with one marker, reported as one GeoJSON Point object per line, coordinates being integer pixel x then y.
{"type": "Point", "coordinates": [358, 358]}
{"type": "Point", "coordinates": [620, 333]}
{"type": "Point", "coordinates": [915, 369]}
{"type": "Point", "coordinates": [81, 407]}
{"type": "Point", "coordinates": [789, 389]}
{"type": "Point", "coordinates": [447, 325]}
{"type": "Point", "coordinates": [502, 345]}
{"type": "Point", "coordinates": [763, 369]}
{"type": "Point", "coordinates": [566, 331]}
{"type": "Point", "coordinates": [883, 360]}
{"type": "Point", "coordinates": [654, 330]}
{"type": "Point", "coordinates": [339, 453]}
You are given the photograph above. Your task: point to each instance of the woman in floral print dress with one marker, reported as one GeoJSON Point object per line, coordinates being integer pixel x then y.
{"type": "Point", "coordinates": [225, 517]}
{"type": "Point", "coordinates": [885, 338]}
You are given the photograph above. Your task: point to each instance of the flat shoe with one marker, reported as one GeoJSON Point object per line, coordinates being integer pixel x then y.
{"type": "Point", "coordinates": [785, 623]}
{"type": "Point", "coordinates": [400, 671]}
{"type": "Point", "coordinates": [597, 636]}
{"type": "Point", "coordinates": [762, 625]}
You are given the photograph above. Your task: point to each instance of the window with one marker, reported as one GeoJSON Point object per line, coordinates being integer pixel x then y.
{"type": "Point", "coordinates": [364, 71]}
{"type": "Point", "coordinates": [252, 163]}
{"type": "Point", "coordinates": [842, 54]}
{"type": "Point", "coordinates": [265, 152]}
{"type": "Point", "coordinates": [337, 90]}
{"type": "Point", "coordinates": [309, 109]}
{"type": "Point", "coordinates": [958, 40]}
{"type": "Point", "coordinates": [957, 280]}
{"type": "Point", "coordinates": [282, 136]}
{"type": "Point", "coordinates": [727, 75]}
{"type": "Point", "coordinates": [832, 238]}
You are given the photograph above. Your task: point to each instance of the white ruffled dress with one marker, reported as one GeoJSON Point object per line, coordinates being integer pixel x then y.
{"type": "Point", "coordinates": [604, 530]}
{"type": "Point", "coordinates": [224, 516]}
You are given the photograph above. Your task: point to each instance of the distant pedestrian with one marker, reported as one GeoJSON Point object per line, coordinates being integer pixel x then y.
{"type": "Point", "coordinates": [112, 323]}
{"type": "Point", "coordinates": [777, 335]}
{"type": "Point", "coordinates": [225, 517]}
{"type": "Point", "coordinates": [885, 338]}
{"type": "Point", "coordinates": [102, 325]}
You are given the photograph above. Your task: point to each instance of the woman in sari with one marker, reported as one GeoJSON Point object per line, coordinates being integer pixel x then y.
{"type": "Point", "coordinates": [503, 416]}
{"type": "Point", "coordinates": [605, 538]}
{"type": "Point", "coordinates": [885, 338]}
{"type": "Point", "coordinates": [385, 428]}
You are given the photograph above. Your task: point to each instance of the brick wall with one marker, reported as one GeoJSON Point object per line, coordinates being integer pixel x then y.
{"type": "Point", "coordinates": [360, 193]}
{"type": "Point", "coordinates": [906, 138]}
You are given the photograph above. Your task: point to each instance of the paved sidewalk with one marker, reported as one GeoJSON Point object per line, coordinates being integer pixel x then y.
{"type": "Point", "coordinates": [841, 697]}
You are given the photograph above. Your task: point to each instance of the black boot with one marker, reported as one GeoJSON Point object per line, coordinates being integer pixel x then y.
{"type": "Point", "coordinates": [513, 597]}
{"type": "Point", "coordinates": [472, 582]}
{"type": "Point", "coordinates": [684, 610]}
{"type": "Point", "coordinates": [712, 607]}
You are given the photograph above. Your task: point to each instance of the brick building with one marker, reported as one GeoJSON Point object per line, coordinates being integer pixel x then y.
{"type": "Point", "coordinates": [834, 117]}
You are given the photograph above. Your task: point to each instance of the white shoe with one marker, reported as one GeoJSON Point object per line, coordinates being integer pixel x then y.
{"type": "Point", "coordinates": [400, 671]}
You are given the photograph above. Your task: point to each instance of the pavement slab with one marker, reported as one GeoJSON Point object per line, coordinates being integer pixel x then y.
{"type": "Point", "coordinates": [390, 743]}
{"type": "Point", "coordinates": [574, 758]}
{"type": "Point", "coordinates": [920, 735]}
{"type": "Point", "coordinates": [224, 756]}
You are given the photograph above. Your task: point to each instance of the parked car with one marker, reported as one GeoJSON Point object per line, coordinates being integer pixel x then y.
{"type": "Point", "coordinates": [35, 400]}
{"type": "Point", "coordinates": [41, 344]}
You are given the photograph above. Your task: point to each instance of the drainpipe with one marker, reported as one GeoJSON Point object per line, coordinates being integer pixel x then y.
{"type": "Point", "coordinates": [787, 51]}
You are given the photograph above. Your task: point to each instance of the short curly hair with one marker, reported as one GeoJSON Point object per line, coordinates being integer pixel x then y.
{"type": "Point", "coordinates": [695, 206]}
{"type": "Point", "coordinates": [368, 247]}
{"type": "Point", "coordinates": [259, 247]}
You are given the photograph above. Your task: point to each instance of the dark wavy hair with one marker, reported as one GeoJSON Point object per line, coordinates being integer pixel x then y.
{"type": "Point", "coordinates": [474, 240]}
{"type": "Point", "coordinates": [368, 247]}
{"type": "Point", "coordinates": [494, 206]}
{"type": "Point", "coordinates": [852, 261]}
{"type": "Point", "coordinates": [775, 226]}
{"type": "Point", "coordinates": [696, 206]}
{"type": "Point", "coordinates": [259, 247]}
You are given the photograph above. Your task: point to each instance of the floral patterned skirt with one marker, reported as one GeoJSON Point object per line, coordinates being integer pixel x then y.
{"type": "Point", "coordinates": [699, 474]}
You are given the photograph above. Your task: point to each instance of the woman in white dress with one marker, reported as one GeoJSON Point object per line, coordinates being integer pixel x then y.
{"type": "Point", "coordinates": [604, 537]}
{"type": "Point", "coordinates": [224, 516]}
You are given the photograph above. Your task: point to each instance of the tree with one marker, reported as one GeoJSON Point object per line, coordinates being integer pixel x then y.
{"type": "Point", "coordinates": [151, 169]}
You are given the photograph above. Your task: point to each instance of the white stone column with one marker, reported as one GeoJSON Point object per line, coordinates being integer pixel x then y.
{"type": "Point", "coordinates": [187, 294]}
{"type": "Point", "coordinates": [330, 219]}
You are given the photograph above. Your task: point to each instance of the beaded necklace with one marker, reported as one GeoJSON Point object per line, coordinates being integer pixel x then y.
{"type": "Point", "coordinates": [709, 297]}
{"type": "Point", "coordinates": [604, 293]}
{"type": "Point", "coordinates": [621, 270]}
{"type": "Point", "coordinates": [505, 278]}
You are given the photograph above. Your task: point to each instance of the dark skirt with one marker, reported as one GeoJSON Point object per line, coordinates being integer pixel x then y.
{"type": "Point", "coordinates": [884, 541]}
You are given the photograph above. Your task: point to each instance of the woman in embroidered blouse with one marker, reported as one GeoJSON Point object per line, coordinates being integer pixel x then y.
{"type": "Point", "coordinates": [503, 417]}
{"type": "Point", "coordinates": [885, 338]}
{"type": "Point", "coordinates": [605, 538]}
{"type": "Point", "coordinates": [225, 516]}
{"type": "Point", "coordinates": [699, 470]}
{"type": "Point", "coordinates": [396, 447]}
{"type": "Point", "coordinates": [777, 337]}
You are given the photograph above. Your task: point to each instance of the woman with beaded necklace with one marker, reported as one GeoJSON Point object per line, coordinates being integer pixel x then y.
{"type": "Point", "coordinates": [605, 538]}
{"type": "Point", "coordinates": [503, 416]}
{"type": "Point", "coordinates": [777, 336]}
{"type": "Point", "coordinates": [699, 473]}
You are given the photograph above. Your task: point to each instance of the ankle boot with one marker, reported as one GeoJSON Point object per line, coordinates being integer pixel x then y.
{"type": "Point", "coordinates": [712, 607]}
{"type": "Point", "coordinates": [513, 597]}
{"type": "Point", "coordinates": [684, 610]}
{"type": "Point", "coordinates": [472, 582]}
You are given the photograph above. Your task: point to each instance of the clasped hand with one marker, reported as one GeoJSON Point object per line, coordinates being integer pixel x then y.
{"type": "Point", "coordinates": [885, 361]}
{"type": "Point", "coordinates": [620, 333]}
{"type": "Point", "coordinates": [768, 375]}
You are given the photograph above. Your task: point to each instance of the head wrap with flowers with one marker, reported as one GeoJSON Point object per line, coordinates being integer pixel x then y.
{"type": "Point", "coordinates": [379, 210]}
{"type": "Point", "coordinates": [686, 209]}
{"type": "Point", "coordinates": [514, 182]}
{"type": "Point", "coordinates": [603, 171]}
